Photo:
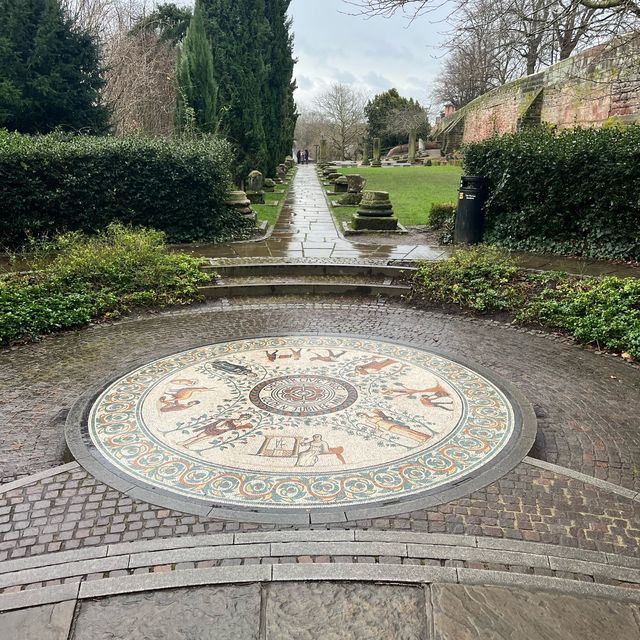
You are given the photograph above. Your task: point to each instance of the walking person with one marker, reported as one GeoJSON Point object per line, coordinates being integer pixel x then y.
{"type": "Point", "coordinates": [306, 156]}
{"type": "Point", "coordinates": [299, 156]}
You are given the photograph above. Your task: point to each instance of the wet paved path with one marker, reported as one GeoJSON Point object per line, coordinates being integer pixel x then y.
{"type": "Point", "coordinates": [306, 229]}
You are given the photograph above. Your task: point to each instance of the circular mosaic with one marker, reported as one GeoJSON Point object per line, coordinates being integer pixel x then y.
{"type": "Point", "coordinates": [303, 395]}
{"type": "Point", "coordinates": [301, 422]}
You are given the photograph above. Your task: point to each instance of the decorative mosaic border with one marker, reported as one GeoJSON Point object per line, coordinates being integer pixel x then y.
{"type": "Point", "coordinates": [502, 461]}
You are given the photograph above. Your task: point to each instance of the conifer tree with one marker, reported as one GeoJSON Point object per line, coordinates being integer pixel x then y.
{"type": "Point", "coordinates": [50, 75]}
{"type": "Point", "coordinates": [197, 91]}
{"type": "Point", "coordinates": [253, 65]}
{"type": "Point", "coordinates": [278, 103]}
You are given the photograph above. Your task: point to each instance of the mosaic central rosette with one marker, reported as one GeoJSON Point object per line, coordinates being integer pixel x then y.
{"type": "Point", "coordinates": [301, 421]}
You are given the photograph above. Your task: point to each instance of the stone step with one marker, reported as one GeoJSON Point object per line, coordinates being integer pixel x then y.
{"type": "Point", "coordinates": [297, 269]}
{"type": "Point", "coordinates": [269, 286]}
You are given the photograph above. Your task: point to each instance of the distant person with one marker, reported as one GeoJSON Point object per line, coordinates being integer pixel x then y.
{"type": "Point", "coordinates": [306, 156]}
{"type": "Point", "coordinates": [299, 156]}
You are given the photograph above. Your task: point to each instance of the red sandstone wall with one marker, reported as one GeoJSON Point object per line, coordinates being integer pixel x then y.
{"type": "Point", "coordinates": [585, 90]}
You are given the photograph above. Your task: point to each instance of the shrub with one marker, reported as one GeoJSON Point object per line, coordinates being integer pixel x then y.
{"type": "Point", "coordinates": [479, 279]}
{"type": "Point", "coordinates": [605, 312]}
{"type": "Point", "coordinates": [52, 184]}
{"type": "Point", "coordinates": [575, 192]}
{"type": "Point", "coordinates": [600, 311]}
{"type": "Point", "coordinates": [77, 278]}
{"type": "Point", "coordinates": [442, 214]}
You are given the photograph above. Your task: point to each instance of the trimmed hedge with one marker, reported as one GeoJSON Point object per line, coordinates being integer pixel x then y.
{"type": "Point", "coordinates": [575, 192]}
{"type": "Point", "coordinates": [55, 183]}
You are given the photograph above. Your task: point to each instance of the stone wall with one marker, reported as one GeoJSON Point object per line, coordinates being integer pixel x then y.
{"type": "Point", "coordinates": [587, 90]}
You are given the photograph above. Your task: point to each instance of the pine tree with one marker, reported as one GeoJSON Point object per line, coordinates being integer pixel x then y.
{"type": "Point", "coordinates": [197, 91]}
{"type": "Point", "coordinates": [50, 75]}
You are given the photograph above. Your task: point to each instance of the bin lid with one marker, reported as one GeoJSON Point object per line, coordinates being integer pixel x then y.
{"type": "Point", "coordinates": [473, 182]}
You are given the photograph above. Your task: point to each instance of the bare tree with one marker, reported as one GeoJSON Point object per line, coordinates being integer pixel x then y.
{"type": "Point", "coordinates": [343, 109]}
{"type": "Point", "coordinates": [415, 8]}
{"type": "Point", "coordinates": [407, 120]}
{"type": "Point", "coordinates": [310, 128]}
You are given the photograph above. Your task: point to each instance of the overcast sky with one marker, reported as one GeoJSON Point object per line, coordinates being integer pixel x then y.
{"type": "Point", "coordinates": [372, 54]}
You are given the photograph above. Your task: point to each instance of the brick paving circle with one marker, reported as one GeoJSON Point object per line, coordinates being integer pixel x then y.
{"type": "Point", "coordinates": [414, 427]}
{"type": "Point", "coordinates": [587, 407]}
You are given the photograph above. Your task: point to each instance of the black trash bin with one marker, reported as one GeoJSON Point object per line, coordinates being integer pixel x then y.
{"type": "Point", "coordinates": [470, 215]}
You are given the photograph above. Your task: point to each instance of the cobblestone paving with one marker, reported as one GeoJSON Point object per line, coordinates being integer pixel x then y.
{"type": "Point", "coordinates": [587, 404]}
{"type": "Point", "coordinates": [72, 510]}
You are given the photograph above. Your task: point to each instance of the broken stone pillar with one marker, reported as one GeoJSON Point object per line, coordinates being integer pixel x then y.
{"type": "Point", "coordinates": [323, 151]}
{"type": "Point", "coordinates": [375, 213]}
{"type": "Point", "coordinates": [281, 173]}
{"type": "Point", "coordinates": [255, 190]}
{"type": "Point", "coordinates": [355, 183]}
{"type": "Point", "coordinates": [269, 185]}
{"type": "Point", "coordinates": [376, 153]}
{"type": "Point", "coordinates": [239, 202]}
{"type": "Point", "coordinates": [365, 154]}
{"type": "Point", "coordinates": [411, 154]}
{"type": "Point", "coordinates": [289, 163]}
{"type": "Point", "coordinates": [341, 184]}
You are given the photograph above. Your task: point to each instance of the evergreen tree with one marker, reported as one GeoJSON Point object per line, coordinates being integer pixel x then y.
{"type": "Point", "coordinates": [279, 107]}
{"type": "Point", "coordinates": [196, 89]}
{"type": "Point", "coordinates": [168, 22]}
{"type": "Point", "coordinates": [237, 31]}
{"type": "Point", "coordinates": [380, 115]}
{"type": "Point", "coordinates": [253, 65]}
{"type": "Point", "coordinates": [49, 70]}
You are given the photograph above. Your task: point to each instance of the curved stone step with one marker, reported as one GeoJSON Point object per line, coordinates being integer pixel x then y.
{"type": "Point", "coordinates": [302, 287]}
{"type": "Point", "coordinates": [289, 269]}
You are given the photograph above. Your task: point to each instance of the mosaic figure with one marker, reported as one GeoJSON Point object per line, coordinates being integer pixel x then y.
{"type": "Point", "coordinates": [316, 447]}
{"type": "Point", "coordinates": [230, 367]}
{"type": "Point", "coordinates": [295, 354]}
{"type": "Point", "coordinates": [173, 398]}
{"type": "Point", "coordinates": [217, 428]}
{"type": "Point", "coordinates": [382, 422]}
{"type": "Point", "coordinates": [433, 397]}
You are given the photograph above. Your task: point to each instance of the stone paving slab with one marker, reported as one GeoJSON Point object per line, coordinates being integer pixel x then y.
{"type": "Point", "coordinates": [47, 622]}
{"type": "Point", "coordinates": [338, 611]}
{"type": "Point", "coordinates": [185, 614]}
{"type": "Point", "coordinates": [461, 612]}
{"type": "Point", "coordinates": [329, 610]}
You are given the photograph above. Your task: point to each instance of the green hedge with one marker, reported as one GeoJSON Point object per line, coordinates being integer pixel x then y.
{"type": "Point", "coordinates": [51, 184]}
{"type": "Point", "coordinates": [576, 192]}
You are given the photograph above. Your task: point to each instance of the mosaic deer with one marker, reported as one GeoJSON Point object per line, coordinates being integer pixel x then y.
{"type": "Point", "coordinates": [432, 397]}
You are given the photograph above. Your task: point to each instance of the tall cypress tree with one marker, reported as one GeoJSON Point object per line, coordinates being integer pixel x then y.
{"type": "Point", "coordinates": [237, 31]}
{"type": "Point", "coordinates": [278, 104]}
{"type": "Point", "coordinates": [197, 91]}
{"type": "Point", "coordinates": [49, 70]}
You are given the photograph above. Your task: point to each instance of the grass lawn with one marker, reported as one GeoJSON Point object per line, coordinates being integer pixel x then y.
{"type": "Point", "coordinates": [270, 211]}
{"type": "Point", "coordinates": [412, 189]}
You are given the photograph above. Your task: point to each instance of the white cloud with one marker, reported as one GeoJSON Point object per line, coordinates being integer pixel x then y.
{"type": "Point", "coordinates": [372, 55]}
